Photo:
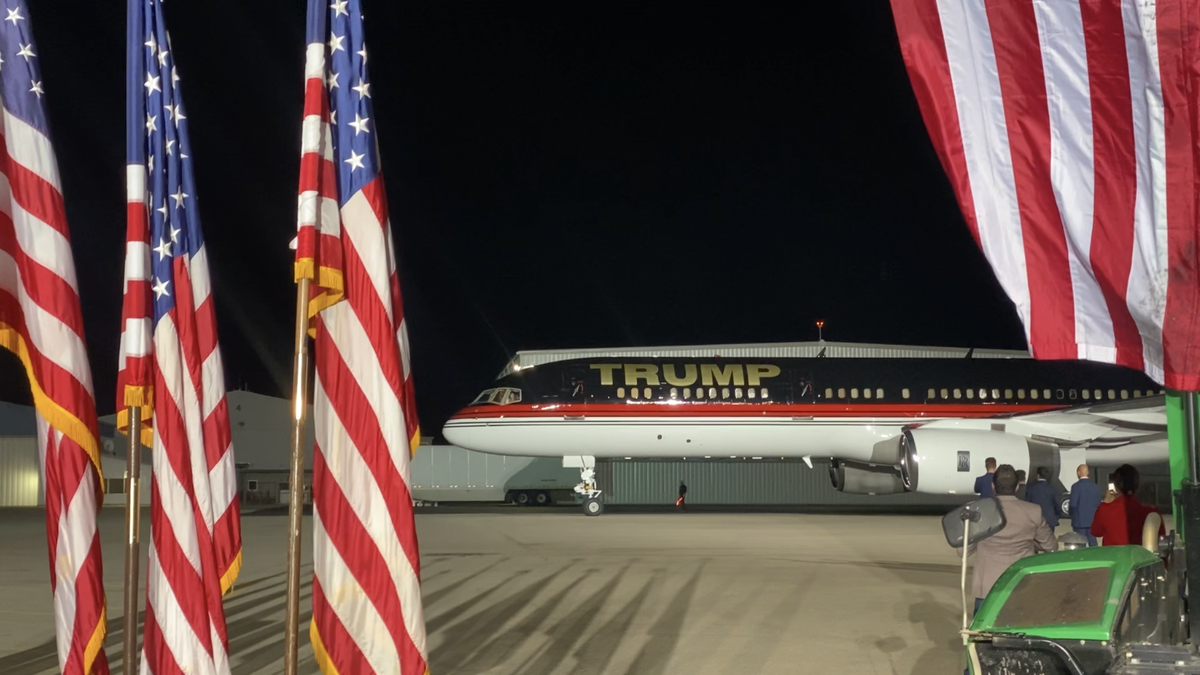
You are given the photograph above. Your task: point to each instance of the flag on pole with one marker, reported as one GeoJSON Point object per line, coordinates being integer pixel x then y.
{"type": "Point", "coordinates": [367, 611]}
{"type": "Point", "coordinates": [41, 322]}
{"type": "Point", "coordinates": [171, 368]}
{"type": "Point", "coordinates": [1069, 131]}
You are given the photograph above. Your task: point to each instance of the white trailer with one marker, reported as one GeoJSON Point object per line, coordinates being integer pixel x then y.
{"type": "Point", "coordinates": [448, 473]}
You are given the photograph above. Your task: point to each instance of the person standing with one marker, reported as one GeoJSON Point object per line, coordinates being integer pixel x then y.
{"type": "Point", "coordinates": [1025, 532]}
{"type": "Point", "coordinates": [682, 496]}
{"type": "Point", "coordinates": [1120, 521]}
{"type": "Point", "coordinates": [1085, 499]}
{"type": "Point", "coordinates": [1041, 492]}
{"type": "Point", "coordinates": [1021, 485]}
{"type": "Point", "coordinates": [983, 484]}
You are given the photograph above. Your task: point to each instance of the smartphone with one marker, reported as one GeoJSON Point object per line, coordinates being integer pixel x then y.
{"type": "Point", "coordinates": [1112, 487]}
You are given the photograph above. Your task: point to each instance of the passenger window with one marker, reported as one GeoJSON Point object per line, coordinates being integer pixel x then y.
{"type": "Point", "coordinates": [1046, 394]}
{"type": "Point", "coordinates": [931, 394]}
{"type": "Point", "coordinates": [828, 393]}
{"type": "Point", "coordinates": [1071, 395]}
{"type": "Point", "coordinates": [1137, 393]}
{"type": "Point", "coordinates": [648, 394]}
{"type": "Point", "coordinates": [971, 394]}
{"type": "Point", "coordinates": [854, 392]}
{"type": "Point", "coordinates": [1124, 393]}
{"type": "Point", "coordinates": [699, 392]}
{"type": "Point", "coordinates": [634, 392]}
{"type": "Point", "coordinates": [1033, 393]}
{"type": "Point", "coordinates": [867, 392]}
{"type": "Point", "coordinates": [620, 392]}
{"type": "Point", "coordinates": [1086, 394]}
{"type": "Point", "coordinates": [958, 393]}
{"type": "Point", "coordinates": [878, 393]}
{"type": "Point", "coordinates": [945, 394]}
{"type": "Point", "coordinates": [763, 393]}
{"type": "Point", "coordinates": [982, 394]}
{"type": "Point", "coordinates": [1099, 395]}
{"type": "Point", "coordinates": [995, 394]}
{"type": "Point", "coordinates": [687, 393]}
{"type": "Point", "coordinates": [675, 395]}
{"type": "Point", "coordinates": [749, 392]}
{"type": "Point", "coordinates": [724, 392]}
{"type": "Point", "coordinates": [712, 392]}
{"type": "Point", "coordinates": [841, 392]}
{"type": "Point", "coordinates": [1112, 395]}
{"type": "Point", "coordinates": [1008, 394]}
{"type": "Point", "coordinates": [1058, 393]}
{"type": "Point", "coordinates": [904, 393]}
{"type": "Point", "coordinates": [1021, 394]}
{"type": "Point", "coordinates": [737, 393]}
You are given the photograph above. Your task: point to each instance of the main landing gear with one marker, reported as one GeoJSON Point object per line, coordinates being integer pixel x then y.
{"type": "Point", "coordinates": [592, 504]}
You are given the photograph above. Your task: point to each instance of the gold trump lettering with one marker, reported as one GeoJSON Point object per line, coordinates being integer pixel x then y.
{"type": "Point", "coordinates": [606, 371]}
{"type": "Point", "coordinates": [641, 371]}
{"type": "Point", "coordinates": [689, 375]}
{"type": "Point", "coordinates": [755, 373]}
{"type": "Point", "coordinates": [723, 376]}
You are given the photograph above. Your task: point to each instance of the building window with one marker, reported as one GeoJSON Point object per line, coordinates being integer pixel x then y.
{"type": "Point", "coordinates": [116, 486]}
{"type": "Point", "coordinates": [252, 486]}
{"type": "Point", "coordinates": [620, 392]}
{"type": "Point", "coordinates": [904, 393]}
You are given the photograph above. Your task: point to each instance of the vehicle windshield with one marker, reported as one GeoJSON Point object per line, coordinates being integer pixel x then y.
{"type": "Point", "coordinates": [1049, 598]}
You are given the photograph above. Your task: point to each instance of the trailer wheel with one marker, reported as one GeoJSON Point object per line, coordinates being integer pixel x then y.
{"type": "Point", "coordinates": [542, 499]}
{"type": "Point", "coordinates": [521, 498]}
{"type": "Point", "coordinates": [592, 506]}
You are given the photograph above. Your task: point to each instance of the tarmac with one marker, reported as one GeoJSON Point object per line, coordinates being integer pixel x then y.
{"type": "Point", "coordinates": [548, 591]}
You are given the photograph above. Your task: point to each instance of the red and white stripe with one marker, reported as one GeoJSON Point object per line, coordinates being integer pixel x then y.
{"type": "Point", "coordinates": [1071, 144]}
{"type": "Point", "coordinates": [41, 322]}
{"type": "Point", "coordinates": [367, 611]}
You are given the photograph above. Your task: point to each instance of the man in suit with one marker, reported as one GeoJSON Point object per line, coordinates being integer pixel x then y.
{"type": "Point", "coordinates": [1042, 493]}
{"type": "Point", "coordinates": [983, 484]}
{"type": "Point", "coordinates": [1085, 498]}
{"type": "Point", "coordinates": [1025, 533]}
{"type": "Point", "coordinates": [1021, 484]}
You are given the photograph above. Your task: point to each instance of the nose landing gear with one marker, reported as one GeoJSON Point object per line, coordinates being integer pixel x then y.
{"type": "Point", "coordinates": [592, 504]}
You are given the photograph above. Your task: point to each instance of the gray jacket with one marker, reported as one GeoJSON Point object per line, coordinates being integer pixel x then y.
{"type": "Point", "coordinates": [1025, 533]}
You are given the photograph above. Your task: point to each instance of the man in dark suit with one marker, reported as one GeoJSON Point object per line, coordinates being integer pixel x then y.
{"type": "Point", "coordinates": [1085, 498]}
{"type": "Point", "coordinates": [983, 484]}
{"type": "Point", "coordinates": [1042, 493]}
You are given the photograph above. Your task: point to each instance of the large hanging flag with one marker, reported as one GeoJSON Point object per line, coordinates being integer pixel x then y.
{"type": "Point", "coordinates": [1069, 132]}
{"type": "Point", "coordinates": [367, 612]}
{"type": "Point", "coordinates": [41, 322]}
{"type": "Point", "coordinates": [171, 369]}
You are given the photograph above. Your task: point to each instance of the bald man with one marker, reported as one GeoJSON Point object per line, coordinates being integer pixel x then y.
{"type": "Point", "coordinates": [1085, 499]}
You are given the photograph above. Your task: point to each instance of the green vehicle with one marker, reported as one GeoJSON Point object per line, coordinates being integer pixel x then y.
{"type": "Point", "coordinates": [1080, 611]}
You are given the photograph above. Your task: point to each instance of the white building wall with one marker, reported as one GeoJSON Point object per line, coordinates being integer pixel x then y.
{"type": "Point", "coordinates": [20, 471]}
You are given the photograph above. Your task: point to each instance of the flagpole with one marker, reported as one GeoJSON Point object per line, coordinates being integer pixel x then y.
{"type": "Point", "coordinates": [296, 499]}
{"type": "Point", "coordinates": [132, 538]}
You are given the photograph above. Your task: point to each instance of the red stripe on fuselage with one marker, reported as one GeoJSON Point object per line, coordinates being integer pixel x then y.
{"type": "Point", "coordinates": [750, 410]}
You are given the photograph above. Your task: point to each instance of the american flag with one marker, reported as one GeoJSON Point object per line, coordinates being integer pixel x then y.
{"type": "Point", "coordinates": [1069, 132]}
{"type": "Point", "coordinates": [367, 611]}
{"type": "Point", "coordinates": [171, 367]}
{"type": "Point", "coordinates": [41, 322]}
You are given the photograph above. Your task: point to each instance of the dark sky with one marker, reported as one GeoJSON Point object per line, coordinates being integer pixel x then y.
{"type": "Point", "coordinates": [586, 176]}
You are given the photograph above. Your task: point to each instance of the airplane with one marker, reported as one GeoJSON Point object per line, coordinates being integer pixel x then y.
{"type": "Point", "coordinates": [885, 425]}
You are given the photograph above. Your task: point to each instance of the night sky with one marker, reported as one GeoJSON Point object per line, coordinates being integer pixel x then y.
{"type": "Point", "coordinates": [581, 177]}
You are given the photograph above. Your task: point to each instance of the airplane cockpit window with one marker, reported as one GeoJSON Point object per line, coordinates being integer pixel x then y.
{"type": "Point", "coordinates": [498, 396]}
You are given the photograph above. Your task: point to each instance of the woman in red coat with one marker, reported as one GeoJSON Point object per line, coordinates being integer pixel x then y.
{"type": "Point", "coordinates": [1119, 521]}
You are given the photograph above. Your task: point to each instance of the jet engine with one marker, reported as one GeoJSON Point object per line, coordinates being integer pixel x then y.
{"type": "Point", "coordinates": [862, 478]}
{"type": "Point", "coordinates": [947, 461]}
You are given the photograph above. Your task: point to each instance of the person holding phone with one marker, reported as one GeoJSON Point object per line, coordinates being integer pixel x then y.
{"type": "Point", "coordinates": [1119, 522]}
